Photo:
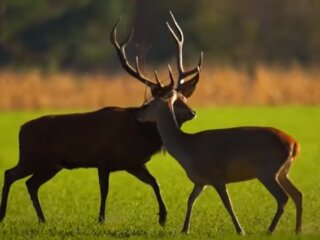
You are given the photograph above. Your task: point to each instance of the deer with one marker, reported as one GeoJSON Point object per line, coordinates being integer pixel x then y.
{"type": "Point", "coordinates": [110, 139]}
{"type": "Point", "coordinates": [220, 156]}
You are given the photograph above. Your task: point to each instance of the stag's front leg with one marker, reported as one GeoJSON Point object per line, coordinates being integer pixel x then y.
{"type": "Point", "coordinates": [104, 187]}
{"type": "Point", "coordinates": [145, 176]}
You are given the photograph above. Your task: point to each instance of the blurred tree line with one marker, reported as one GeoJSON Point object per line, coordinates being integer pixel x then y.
{"type": "Point", "coordinates": [74, 34]}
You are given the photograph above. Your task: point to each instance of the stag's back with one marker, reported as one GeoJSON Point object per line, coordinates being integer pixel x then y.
{"type": "Point", "coordinates": [111, 136]}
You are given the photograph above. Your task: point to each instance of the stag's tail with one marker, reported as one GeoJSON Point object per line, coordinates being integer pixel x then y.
{"type": "Point", "coordinates": [295, 150]}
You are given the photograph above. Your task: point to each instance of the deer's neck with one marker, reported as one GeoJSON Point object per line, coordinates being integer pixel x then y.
{"type": "Point", "coordinates": [172, 137]}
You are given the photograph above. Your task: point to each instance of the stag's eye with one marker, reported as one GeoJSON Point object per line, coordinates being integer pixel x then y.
{"type": "Point", "coordinates": [160, 92]}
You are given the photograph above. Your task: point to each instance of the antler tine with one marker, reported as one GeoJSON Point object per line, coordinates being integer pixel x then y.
{"type": "Point", "coordinates": [179, 39]}
{"type": "Point", "coordinates": [171, 76]}
{"type": "Point", "coordinates": [157, 78]}
{"type": "Point", "coordinates": [195, 70]}
{"type": "Point", "coordinates": [136, 73]}
{"type": "Point", "coordinates": [139, 74]}
{"type": "Point", "coordinates": [179, 42]}
{"type": "Point", "coordinates": [177, 26]}
{"type": "Point", "coordinates": [137, 65]}
{"type": "Point", "coordinates": [200, 60]}
{"type": "Point", "coordinates": [114, 37]}
{"type": "Point", "coordinates": [114, 34]}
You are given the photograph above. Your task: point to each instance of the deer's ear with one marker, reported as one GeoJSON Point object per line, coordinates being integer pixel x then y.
{"type": "Point", "coordinates": [188, 87]}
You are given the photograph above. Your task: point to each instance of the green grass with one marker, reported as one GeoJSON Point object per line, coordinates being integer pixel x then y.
{"type": "Point", "coordinates": [71, 199]}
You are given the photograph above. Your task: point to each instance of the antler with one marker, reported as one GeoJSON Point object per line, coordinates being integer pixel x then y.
{"type": "Point", "coordinates": [179, 39]}
{"type": "Point", "coordinates": [133, 71]}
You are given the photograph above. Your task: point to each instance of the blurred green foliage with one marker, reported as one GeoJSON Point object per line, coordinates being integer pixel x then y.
{"type": "Point", "coordinates": [74, 34]}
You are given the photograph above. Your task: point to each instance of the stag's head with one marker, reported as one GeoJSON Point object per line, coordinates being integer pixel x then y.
{"type": "Point", "coordinates": [172, 102]}
{"type": "Point", "coordinates": [186, 82]}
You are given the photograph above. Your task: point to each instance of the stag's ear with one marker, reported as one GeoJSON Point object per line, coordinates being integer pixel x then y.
{"type": "Point", "coordinates": [173, 97]}
{"type": "Point", "coordinates": [142, 113]}
{"type": "Point", "coordinates": [188, 87]}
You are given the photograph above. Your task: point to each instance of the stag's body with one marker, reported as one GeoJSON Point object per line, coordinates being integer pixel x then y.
{"type": "Point", "coordinates": [110, 139]}
{"type": "Point", "coordinates": [217, 157]}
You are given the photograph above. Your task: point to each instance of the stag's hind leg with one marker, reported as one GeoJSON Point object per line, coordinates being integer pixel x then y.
{"type": "Point", "coordinates": [33, 185]}
{"type": "Point", "coordinates": [145, 176]}
{"type": "Point", "coordinates": [279, 194]}
{"type": "Point", "coordinates": [10, 177]}
{"type": "Point", "coordinates": [293, 192]}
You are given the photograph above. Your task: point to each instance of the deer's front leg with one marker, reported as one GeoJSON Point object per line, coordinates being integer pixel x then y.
{"type": "Point", "coordinates": [223, 193]}
{"type": "Point", "coordinates": [193, 196]}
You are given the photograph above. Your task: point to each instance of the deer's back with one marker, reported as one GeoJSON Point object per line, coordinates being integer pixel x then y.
{"type": "Point", "coordinates": [111, 136]}
{"type": "Point", "coordinates": [238, 154]}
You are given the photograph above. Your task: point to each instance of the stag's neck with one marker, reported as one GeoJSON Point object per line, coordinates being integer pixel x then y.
{"type": "Point", "coordinates": [172, 137]}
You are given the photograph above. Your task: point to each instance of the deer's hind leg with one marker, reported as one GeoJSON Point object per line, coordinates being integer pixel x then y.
{"type": "Point", "coordinates": [274, 187]}
{"type": "Point", "coordinates": [293, 192]}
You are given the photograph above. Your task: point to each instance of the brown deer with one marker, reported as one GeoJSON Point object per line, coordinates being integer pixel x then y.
{"type": "Point", "coordinates": [109, 139]}
{"type": "Point", "coordinates": [220, 156]}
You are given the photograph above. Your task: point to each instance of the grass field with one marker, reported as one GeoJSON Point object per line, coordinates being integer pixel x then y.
{"type": "Point", "coordinates": [71, 199]}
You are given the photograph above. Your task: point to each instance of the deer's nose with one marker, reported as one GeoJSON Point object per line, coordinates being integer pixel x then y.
{"type": "Point", "coordinates": [193, 114]}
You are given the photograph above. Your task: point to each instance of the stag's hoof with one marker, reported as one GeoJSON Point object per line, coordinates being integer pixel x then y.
{"type": "Point", "coordinates": [269, 232]}
{"type": "Point", "coordinates": [1, 217]}
{"type": "Point", "coordinates": [101, 219]}
{"type": "Point", "coordinates": [163, 219]}
{"type": "Point", "coordinates": [185, 231]}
